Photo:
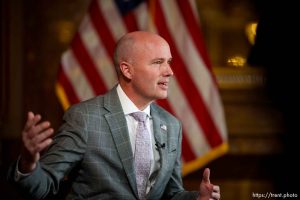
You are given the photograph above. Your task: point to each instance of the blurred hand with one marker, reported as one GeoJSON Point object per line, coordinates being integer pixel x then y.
{"type": "Point", "coordinates": [35, 138]}
{"type": "Point", "coordinates": [208, 191]}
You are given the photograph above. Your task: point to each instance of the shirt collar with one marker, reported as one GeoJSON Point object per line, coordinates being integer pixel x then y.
{"type": "Point", "coordinates": [127, 105]}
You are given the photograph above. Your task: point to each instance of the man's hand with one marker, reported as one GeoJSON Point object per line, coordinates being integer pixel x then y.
{"type": "Point", "coordinates": [208, 191]}
{"type": "Point", "coordinates": [35, 138]}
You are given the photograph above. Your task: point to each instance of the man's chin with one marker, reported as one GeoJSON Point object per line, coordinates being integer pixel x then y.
{"type": "Point", "coordinates": [162, 96]}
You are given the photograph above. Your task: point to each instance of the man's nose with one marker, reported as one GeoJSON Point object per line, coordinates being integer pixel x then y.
{"type": "Point", "coordinates": [168, 70]}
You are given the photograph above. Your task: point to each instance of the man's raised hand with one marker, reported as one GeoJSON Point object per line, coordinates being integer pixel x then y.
{"type": "Point", "coordinates": [36, 136]}
{"type": "Point", "coordinates": [208, 191]}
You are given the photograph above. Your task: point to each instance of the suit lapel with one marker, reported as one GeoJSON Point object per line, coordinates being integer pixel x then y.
{"type": "Point", "coordinates": [159, 128]}
{"type": "Point", "coordinates": [118, 126]}
{"type": "Point", "coordinates": [160, 134]}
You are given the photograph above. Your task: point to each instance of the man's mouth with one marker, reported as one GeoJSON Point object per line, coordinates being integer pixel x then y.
{"type": "Point", "coordinates": [163, 85]}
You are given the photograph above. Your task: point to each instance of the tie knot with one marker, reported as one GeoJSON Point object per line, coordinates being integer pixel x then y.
{"type": "Point", "coordinates": [139, 116]}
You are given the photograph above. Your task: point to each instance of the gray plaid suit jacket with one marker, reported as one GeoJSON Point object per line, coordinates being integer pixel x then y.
{"type": "Point", "coordinates": [94, 142]}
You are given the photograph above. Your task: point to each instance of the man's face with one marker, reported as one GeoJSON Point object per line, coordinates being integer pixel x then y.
{"type": "Point", "coordinates": [151, 70]}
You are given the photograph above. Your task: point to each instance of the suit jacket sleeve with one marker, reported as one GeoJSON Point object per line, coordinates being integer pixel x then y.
{"type": "Point", "coordinates": [174, 189]}
{"type": "Point", "coordinates": [64, 153]}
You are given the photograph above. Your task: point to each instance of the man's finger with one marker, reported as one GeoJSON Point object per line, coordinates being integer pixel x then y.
{"type": "Point", "coordinates": [31, 120]}
{"type": "Point", "coordinates": [206, 175]}
{"type": "Point", "coordinates": [41, 146]}
{"type": "Point", "coordinates": [42, 126]}
{"type": "Point", "coordinates": [216, 195]}
{"type": "Point", "coordinates": [216, 188]}
{"type": "Point", "coordinates": [43, 135]}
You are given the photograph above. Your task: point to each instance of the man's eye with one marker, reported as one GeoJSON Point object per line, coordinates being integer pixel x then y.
{"type": "Point", "coordinates": [157, 62]}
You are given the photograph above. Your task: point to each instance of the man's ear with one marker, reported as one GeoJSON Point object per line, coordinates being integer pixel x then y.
{"type": "Point", "coordinates": [126, 69]}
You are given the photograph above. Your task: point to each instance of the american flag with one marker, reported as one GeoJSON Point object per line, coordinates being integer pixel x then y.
{"type": "Point", "coordinates": [87, 70]}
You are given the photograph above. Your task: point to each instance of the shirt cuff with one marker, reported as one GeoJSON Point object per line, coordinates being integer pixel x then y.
{"type": "Point", "coordinates": [19, 175]}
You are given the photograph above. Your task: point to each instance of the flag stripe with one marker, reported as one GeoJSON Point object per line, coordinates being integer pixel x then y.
{"type": "Point", "coordinates": [188, 86]}
{"type": "Point", "coordinates": [98, 53]}
{"type": "Point", "coordinates": [87, 64]}
{"type": "Point", "coordinates": [130, 22]}
{"type": "Point", "coordinates": [198, 142]}
{"type": "Point", "coordinates": [68, 88]}
{"type": "Point", "coordinates": [77, 78]}
{"type": "Point", "coordinates": [191, 23]}
{"type": "Point", "coordinates": [102, 28]}
{"type": "Point", "coordinates": [193, 6]}
{"type": "Point", "coordinates": [114, 20]}
{"type": "Point", "coordinates": [187, 153]}
{"type": "Point", "coordinates": [143, 17]}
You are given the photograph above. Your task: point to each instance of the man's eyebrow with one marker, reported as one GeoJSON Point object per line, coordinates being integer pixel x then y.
{"type": "Point", "coordinates": [168, 59]}
{"type": "Point", "coordinates": [159, 59]}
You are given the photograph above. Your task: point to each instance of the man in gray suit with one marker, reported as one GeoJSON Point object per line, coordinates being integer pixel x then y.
{"type": "Point", "coordinates": [96, 142]}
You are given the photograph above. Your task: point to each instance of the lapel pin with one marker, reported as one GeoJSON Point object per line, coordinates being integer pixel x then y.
{"type": "Point", "coordinates": [164, 127]}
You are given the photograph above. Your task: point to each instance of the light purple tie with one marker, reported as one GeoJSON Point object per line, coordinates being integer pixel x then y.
{"type": "Point", "coordinates": [142, 153]}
